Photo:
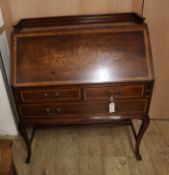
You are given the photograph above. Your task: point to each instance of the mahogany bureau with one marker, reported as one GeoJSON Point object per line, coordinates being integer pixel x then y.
{"type": "Point", "coordinates": [77, 70]}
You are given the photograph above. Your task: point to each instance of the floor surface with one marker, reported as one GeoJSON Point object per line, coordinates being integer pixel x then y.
{"type": "Point", "coordinates": [95, 150]}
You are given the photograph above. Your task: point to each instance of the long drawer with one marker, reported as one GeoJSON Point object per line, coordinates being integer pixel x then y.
{"type": "Point", "coordinates": [81, 109]}
{"type": "Point", "coordinates": [104, 92]}
{"type": "Point", "coordinates": [47, 95]}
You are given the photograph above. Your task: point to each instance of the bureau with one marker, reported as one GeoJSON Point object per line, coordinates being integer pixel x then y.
{"type": "Point", "coordinates": [78, 70]}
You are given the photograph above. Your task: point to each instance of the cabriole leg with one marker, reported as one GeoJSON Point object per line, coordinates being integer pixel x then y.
{"type": "Point", "coordinates": [25, 136]}
{"type": "Point", "coordinates": [144, 126]}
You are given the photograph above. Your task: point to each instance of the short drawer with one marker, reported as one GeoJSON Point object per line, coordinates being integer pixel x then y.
{"type": "Point", "coordinates": [81, 109]}
{"type": "Point", "coordinates": [50, 95]}
{"type": "Point", "coordinates": [101, 93]}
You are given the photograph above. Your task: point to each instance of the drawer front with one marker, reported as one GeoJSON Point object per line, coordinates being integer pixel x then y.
{"type": "Point", "coordinates": [81, 109]}
{"type": "Point", "coordinates": [131, 105]}
{"type": "Point", "coordinates": [62, 109]}
{"type": "Point", "coordinates": [50, 95]}
{"type": "Point", "coordinates": [101, 93]}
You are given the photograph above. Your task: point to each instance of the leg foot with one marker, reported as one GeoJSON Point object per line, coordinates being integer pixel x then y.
{"type": "Point", "coordinates": [138, 157]}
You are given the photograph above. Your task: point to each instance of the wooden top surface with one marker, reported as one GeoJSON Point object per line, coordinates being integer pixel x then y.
{"type": "Point", "coordinates": [81, 54]}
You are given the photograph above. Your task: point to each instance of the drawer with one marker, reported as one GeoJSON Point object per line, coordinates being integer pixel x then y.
{"type": "Point", "coordinates": [131, 105]}
{"type": "Point", "coordinates": [62, 109]}
{"type": "Point", "coordinates": [50, 95]}
{"type": "Point", "coordinates": [81, 109]}
{"type": "Point", "coordinates": [101, 93]}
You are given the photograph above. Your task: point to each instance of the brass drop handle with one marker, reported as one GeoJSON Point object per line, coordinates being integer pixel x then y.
{"type": "Point", "coordinates": [114, 92]}
{"type": "Point", "coordinates": [49, 111]}
{"type": "Point", "coordinates": [48, 97]}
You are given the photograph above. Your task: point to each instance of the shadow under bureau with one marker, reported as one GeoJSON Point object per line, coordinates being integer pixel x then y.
{"type": "Point", "coordinates": [78, 70]}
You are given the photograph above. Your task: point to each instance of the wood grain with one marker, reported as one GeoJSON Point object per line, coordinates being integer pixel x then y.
{"type": "Point", "coordinates": [26, 9]}
{"type": "Point", "coordinates": [6, 165]}
{"type": "Point", "coordinates": [95, 150]}
{"type": "Point", "coordinates": [156, 13]}
{"type": "Point", "coordinates": [6, 13]}
{"type": "Point", "coordinates": [82, 56]}
{"type": "Point", "coordinates": [137, 6]}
